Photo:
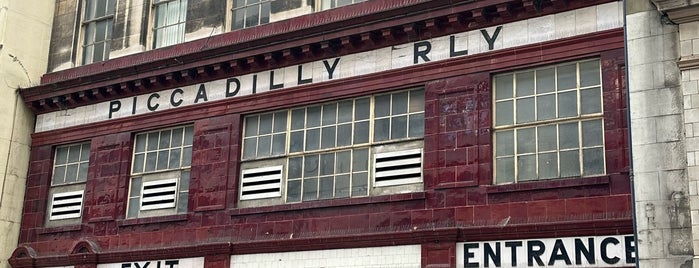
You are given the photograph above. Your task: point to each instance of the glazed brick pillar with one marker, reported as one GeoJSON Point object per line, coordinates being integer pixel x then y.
{"type": "Point", "coordinates": [457, 131]}
{"type": "Point", "coordinates": [439, 254]}
{"type": "Point", "coordinates": [35, 198]}
{"type": "Point", "coordinates": [108, 180]}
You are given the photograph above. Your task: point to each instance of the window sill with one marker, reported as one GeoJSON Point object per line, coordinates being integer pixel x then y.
{"type": "Point", "coordinates": [548, 184]}
{"type": "Point", "coordinates": [60, 229]}
{"type": "Point", "coordinates": [158, 219]}
{"type": "Point", "coordinates": [329, 203]}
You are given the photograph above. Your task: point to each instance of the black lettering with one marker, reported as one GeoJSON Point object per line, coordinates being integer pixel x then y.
{"type": "Point", "coordinates": [133, 105]}
{"type": "Point", "coordinates": [513, 246]}
{"type": "Point", "coordinates": [150, 98]}
{"type": "Point", "coordinates": [228, 87]}
{"type": "Point", "coordinates": [172, 97]}
{"type": "Point", "coordinates": [452, 46]}
{"type": "Point", "coordinates": [488, 254]}
{"type": "Point", "coordinates": [535, 254]}
{"type": "Point", "coordinates": [114, 106]}
{"type": "Point", "coordinates": [329, 68]}
{"type": "Point", "coordinates": [587, 251]}
{"type": "Point", "coordinates": [144, 266]}
{"type": "Point", "coordinates": [172, 263]}
{"type": "Point", "coordinates": [468, 255]}
{"type": "Point", "coordinates": [603, 250]}
{"type": "Point", "coordinates": [271, 82]}
{"type": "Point", "coordinates": [303, 81]}
{"type": "Point", "coordinates": [491, 39]}
{"type": "Point", "coordinates": [201, 94]}
{"type": "Point", "coordinates": [421, 53]}
{"type": "Point", "coordinates": [630, 245]}
{"type": "Point", "coordinates": [125, 265]}
{"type": "Point", "coordinates": [158, 264]}
{"type": "Point", "coordinates": [559, 253]}
{"type": "Point", "coordinates": [254, 83]}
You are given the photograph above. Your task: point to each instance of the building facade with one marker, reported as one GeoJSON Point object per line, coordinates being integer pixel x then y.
{"type": "Point", "coordinates": [404, 133]}
{"type": "Point", "coordinates": [22, 62]}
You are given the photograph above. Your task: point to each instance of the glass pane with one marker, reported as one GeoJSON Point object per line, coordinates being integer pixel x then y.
{"type": "Point", "coordinates": [568, 135]}
{"type": "Point", "coordinates": [504, 143]}
{"type": "Point", "coordinates": [252, 16]}
{"type": "Point", "coordinates": [342, 163]}
{"type": "Point", "coordinates": [399, 127]}
{"type": "Point", "coordinates": [526, 142]}
{"type": "Point", "coordinates": [310, 166]}
{"type": "Point", "coordinates": [293, 191]}
{"type": "Point", "coordinates": [313, 116]}
{"type": "Point", "coordinates": [163, 159]}
{"type": "Point", "coordinates": [175, 155]}
{"type": "Point", "coordinates": [152, 141]}
{"type": "Point", "coordinates": [90, 33]}
{"type": "Point", "coordinates": [280, 121]}
{"type": "Point", "coordinates": [525, 84]}
{"type": "Point", "coordinates": [359, 184]}
{"type": "Point", "coordinates": [504, 113]}
{"type": "Point", "coordinates": [548, 166]}
{"type": "Point", "coordinates": [264, 13]}
{"type": "Point", "coordinates": [361, 109]}
{"type": "Point", "coordinates": [298, 118]}
{"type": "Point", "coordinates": [344, 135]}
{"type": "Point", "coordinates": [100, 32]}
{"type": "Point", "coordinates": [526, 167]}
{"type": "Point", "coordinates": [592, 133]}
{"type": "Point", "coordinates": [312, 139]}
{"type": "Point", "coordinates": [566, 76]}
{"type": "Point", "coordinates": [329, 114]}
{"type": "Point", "coordinates": [590, 100]}
{"type": "Point", "coordinates": [134, 207]}
{"type": "Point", "coordinates": [570, 164]}
{"type": "Point", "coordinates": [182, 202]}
{"type": "Point", "coordinates": [327, 164]}
{"type": "Point", "coordinates": [87, 54]}
{"type": "Point", "coordinates": [188, 135]}
{"type": "Point", "coordinates": [100, 8]}
{"type": "Point", "coordinates": [138, 163]}
{"type": "Point", "coordinates": [176, 137]}
{"type": "Point", "coordinates": [187, 157]}
{"type": "Point", "coordinates": [589, 73]}
{"type": "Point", "coordinates": [295, 165]}
{"type": "Point", "coordinates": [417, 101]}
{"type": "Point", "coordinates": [90, 9]}
{"type": "Point", "coordinates": [279, 144]}
{"type": "Point", "coordinates": [399, 103]}
{"type": "Point", "coordinates": [239, 19]}
{"type": "Point", "coordinates": [98, 52]}
{"type": "Point", "coordinates": [265, 124]}
{"type": "Point", "coordinates": [85, 152]}
{"type": "Point", "coordinates": [382, 106]}
{"type": "Point", "coordinates": [381, 129]}
{"type": "Point", "coordinates": [59, 174]}
{"type": "Point", "coordinates": [184, 181]}
{"type": "Point", "coordinates": [160, 15]}
{"type": "Point", "coordinates": [547, 138]}
{"type": "Point", "coordinates": [593, 161]}
{"type": "Point", "coordinates": [545, 80]}
{"type": "Point", "coordinates": [150, 161]}
{"type": "Point", "coordinates": [342, 184]}
{"type": "Point", "coordinates": [71, 173]}
{"type": "Point", "coordinates": [74, 154]}
{"type": "Point", "coordinates": [326, 187]}
{"type": "Point", "coordinates": [525, 110]}
{"type": "Point", "coordinates": [344, 113]}
{"type": "Point", "coordinates": [546, 107]}
{"type": "Point", "coordinates": [416, 125]}
{"type": "Point", "coordinates": [249, 148]}
{"type": "Point", "coordinates": [296, 141]}
{"type": "Point", "coordinates": [61, 155]}
{"type": "Point", "coordinates": [173, 12]}
{"type": "Point", "coordinates": [505, 170]}
{"type": "Point", "coordinates": [360, 160]}
{"type": "Point", "coordinates": [140, 143]}
{"type": "Point", "coordinates": [361, 132]}
{"type": "Point", "coordinates": [110, 6]}
{"type": "Point", "coordinates": [164, 139]}
{"type": "Point", "coordinates": [503, 87]}
{"type": "Point", "coordinates": [310, 189]}
{"type": "Point", "coordinates": [567, 104]}
{"type": "Point", "coordinates": [328, 137]}
{"type": "Point", "coordinates": [135, 187]}
{"type": "Point", "coordinates": [264, 146]}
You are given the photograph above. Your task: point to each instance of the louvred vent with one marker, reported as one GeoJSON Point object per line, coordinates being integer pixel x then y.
{"type": "Point", "coordinates": [66, 205]}
{"type": "Point", "coordinates": [396, 168]}
{"type": "Point", "coordinates": [263, 182]}
{"type": "Point", "coordinates": [159, 194]}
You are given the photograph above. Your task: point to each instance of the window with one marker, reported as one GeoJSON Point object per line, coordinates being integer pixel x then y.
{"type": "Point", "coordinates": [548, 123]}
{"type": "Point", "coordinates": [70, 166]}
{"type": "Point", "coordinates": [331, 150]}
{"type": "Point", "coordinates": [97, 29]}
{"type": "Point", "coordinates": [248, 13]}
{"type": "Point", "coordinates": [328, 4]}
{"type": "Point", "coordinates": [170, 18]}
{"type": "Point", "coordinates": [160, 172]}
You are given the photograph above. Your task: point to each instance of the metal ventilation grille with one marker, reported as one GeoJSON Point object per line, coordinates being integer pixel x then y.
{"type": "Point", "coordinates": [261, 183]}
{"type": "Point", "coordinates": [159, 194]}
{"type": "Point", "coordinates": [398, 167]}
{"type": "Point", "coordinates": [66, 205]}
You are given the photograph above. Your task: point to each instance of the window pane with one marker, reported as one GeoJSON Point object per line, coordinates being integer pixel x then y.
{"type": "Point", "coordinates": [310, 166]}
{"type": "Point", "coordinates": [546, 107]}
{"type": "Point", "coordinates": [525, 110]}
{"type": "Point", "coordinates": [505, 170]}
{"type": "Point", "coordinates": [570, 164]}
{"type": "Point", "coordinates": [177, 137]}
{"type": "Point", "coordinates": [593, 161]}
{"type": "Point", "coordinates": [239, 19]}
{"type": "Point", "coordinates": [503, 87]}
{"type": "Point", "coordinates": [90, 9]}
{"type": "Point", "coordinates": [313, 116]}
{"type": "Point", "coordinates": [327, 164]}
{"type": "Point", "coordinates": [312, 139]}
{"type": "Point", "coordinates": [342, 184]}
{"type": "Point", "coordinates": [74, 154]}
{"type": "Point", "coordinates": [326, 187]}
{"type": "Point", "coordinates": [361, 109]}
{"type": "Point", "coordinates": [382, 106]}
{"type": "Point", "coordinates": [589, 73]}
{"type": "Point", "coordinates": [279, 144]}
{"type": "Point", "coordinates": [150, 161]}
{"type": "Point", "coordinates": [526, 142]}
{"type": "Point", "coordinates": [504, 143]}
{"type": "Point", "coordinates": [417, 101]}
{"type": "Point", "coordinates": [280, 121]}
{"type": "Point", "coordinates": [381, 129]}
{"type": "Point", "coordinates": [163, 159]}
{"type": "Point", "coordinates": [503, 113]}
{"type": "Point", "coordinates": [526, 167]}
{"type": "Point", "coordinates": [545, 80]}
{"type": "Point", "coordinates": [360, 160]}
{"type": "Point", "coordinates": [328, 137]}
{"type": "Point", "coordinates": [59, 174]}
{"type": "Point", "coordinates": [175, 155]}
{"type": "Point", "coordinates": [399, 127]}
{"type": "Point", "coordinates": [399, 103]}
{"type": "Point", "coordinates": [310, 189]}
{"type": "Point", "coordinates": [85, 152]}
{"type": "Point", "coordinates": [547, 138]}
{"type": "Point", "coordinates": [100, 32]}
{"type": "Point", "coordinates": [252, 16]}
{"type": "Point", "coordinates": [361, 132]}
{"type": "Point", "coordinates": [567, 104]}
{"type": "Point", "coordinates": [548, 166]}
{"type": "Point", "coordinates": [249, 148]}
{"type": "Point", "coordinates": [344, 113]}
{"type": "Point", "coordinates": [71, 173]}
{"type": "Point", "coordinates": [293, 191]}
{"type": "Point", "coordinates": [296, 141]}
{"type": "Point", "coordinates": [359, 184]}
{"type": "Point", "coordinates": [188, 135]}
{"type": "Point", "coordinates": [187, 157]}
{"type": "Point", "coordinates": [264, 146]}
{"type": "Point", "coordinates": [344, 135]}
{"type": "Point", "coordinates": [135, 187]}
{"type": "Point", "coordinates": [295, 165]}
{"type": "Point", "coordinates": [590, 100]}
{"type": "Point", "coordinates": [265, 124]}
{"type": "Point", "coordinates": [298, 118]}
{"type": "Point", "coordinates": [568, 135]}
{"type": "Point", "coordinates": [61, 156]}
{"type": "Point", "coordinates": [525, 84]}
{"type": "Point", "coordinates": [164, 139]}
{"type": "Point", "coordinates": [152, 141]}
{"type": "Point", "coordinates": [342, 163]}
{"type": "Point", "coordinates": [329, 114]}
{"type": "Point", "coordinates": [592, 133]}
{"type": "Point", "coordinates": [566, 76]}
{"type": "Point", "coordinates": [417, 125]}
{"type": "Point", "coordinates": [264, 13]}
{"type": "Point", "coordinates": [138, 163]}
{"type": "Point", "coordinates": [134, 207]}
{"type": "Point", "coordinates": [182, 202]}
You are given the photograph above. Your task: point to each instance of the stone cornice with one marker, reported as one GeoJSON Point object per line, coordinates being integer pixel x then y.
{"type": "Point", "coordinates": [679, 11]}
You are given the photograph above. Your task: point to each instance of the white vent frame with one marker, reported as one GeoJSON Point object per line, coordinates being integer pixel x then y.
{"type": "Point", "coordinates": [267, 183]}
{"type": "Point", "coordinates": [165, 194]}
{"type": "Point", "coordinates": [413, 174]}
{"type": "Point", "coordinates": [75, 205]}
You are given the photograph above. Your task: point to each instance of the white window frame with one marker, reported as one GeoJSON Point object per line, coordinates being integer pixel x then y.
{"type": "Point", "coordinates": [173, 144]}
{"type": "Point", "coordinates": [330, 4]}
{"type": "Point", "coordinates": [510, 129]}
{"type": "Point", "coordinates": [171, 31]}
{"type": "Point", "coordinates": [62, 186]}
{"type": "Point", "coordinates": [260, 6]}
{"type": "Point", "coordinates": [88, 44]}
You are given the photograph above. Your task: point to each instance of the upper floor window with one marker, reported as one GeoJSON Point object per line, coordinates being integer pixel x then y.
{"type": "Point", "coordinates": [549, 123]}
{"type": "Point", "coordinates": [334, 150]}
{"type": "Point", "coordinates": [248, 13]}
{"type": "Point", "coordinates": [70, 165]}
{"type": "Point", "coordinates": [328, 4]}
{"type": "Point", "coordinates": [97, 30]}
{"type": "Point", "coordinates": [160, 172]}
{"type": "Point", "coordinates": [169, 25]}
